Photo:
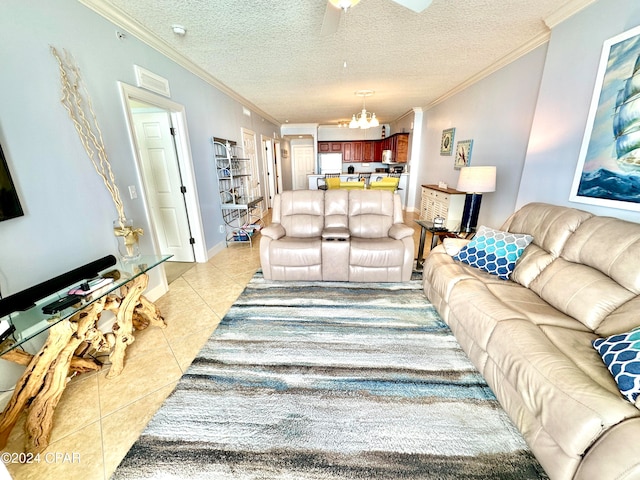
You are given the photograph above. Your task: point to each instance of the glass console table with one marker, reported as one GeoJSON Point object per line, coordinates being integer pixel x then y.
{"type": "Point", "coordinates": [71, 333]}
{"type": "Point", "coordinates": [32, 322]}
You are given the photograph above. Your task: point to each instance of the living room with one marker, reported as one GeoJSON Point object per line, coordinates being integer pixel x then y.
{"type": "Point", "coordinates": [528, 118]}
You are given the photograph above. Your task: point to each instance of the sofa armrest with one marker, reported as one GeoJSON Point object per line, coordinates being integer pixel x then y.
{"type": "Point", "coordinates": [453, 245]}
{"type": "Point", "coordinates": [273, 231]}
{"type": "Point", "coordinates": [400, 231]}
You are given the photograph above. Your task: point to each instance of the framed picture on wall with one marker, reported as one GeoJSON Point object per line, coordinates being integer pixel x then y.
{"type": "Point", "coordinates": [608, 170]}
{"type": "Point", "coordinates": [463, 154]}
{"type": "Point", "coordinates": [446, 144]}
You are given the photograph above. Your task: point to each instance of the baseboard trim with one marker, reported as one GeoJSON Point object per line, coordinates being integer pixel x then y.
{"type": "Point", "coordinates": [216, 249]}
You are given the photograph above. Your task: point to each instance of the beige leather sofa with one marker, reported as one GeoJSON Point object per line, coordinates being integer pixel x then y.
{"type": "Point", "coordinates": [337, 235]}
{"type": "Point", "coordinates": [531, 336]}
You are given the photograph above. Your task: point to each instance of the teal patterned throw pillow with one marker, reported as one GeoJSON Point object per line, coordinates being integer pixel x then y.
{"type": "Point", "coordinates": [494, 251]}
{"type": "Point", "coordinates": [621, 355]}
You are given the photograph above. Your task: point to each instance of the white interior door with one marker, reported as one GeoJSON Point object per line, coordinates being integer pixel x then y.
{"type": "Point", "coordinates": [163, 183]}
{"type": "Point", "coordinates": [302, 164]}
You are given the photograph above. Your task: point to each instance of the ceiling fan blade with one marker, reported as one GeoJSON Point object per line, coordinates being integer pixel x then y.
{"type": "Point", "coordinates": [331, 20]}
{"type": "Point", "coordinates": [416, 5]}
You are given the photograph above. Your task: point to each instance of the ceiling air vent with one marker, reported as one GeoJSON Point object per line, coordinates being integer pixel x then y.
{"type": "Point", "coordinates": [151, 81]}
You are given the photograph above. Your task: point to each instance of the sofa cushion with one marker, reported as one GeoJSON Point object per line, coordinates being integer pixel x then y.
{"type": "Point", "coordinates": [291, 251]}
{"type": "Point", "coordinates": [550, 226]}
{"type": "Point", "coordinates": [301, 213]}
{"type": "Point", "coordinates": [623, 319]}
{"type": "Point", "coordinates": [336, 209]}
{"type": "Point", "coordinates": [371, 213]}
{"type": "Point", "coordinates": [376, 252]}
{"type": "Point", "coordinates": [582, 292]}
{"type": "Point", "coordinates": [494, 251]}
{"type": "Point", "coordinates": [609, 245]}
{"type": "Point", "coordinates": [572, 408]}
{"type": "Point", "coordinates": [534, 308]}
{"type": "Point", "coordinates": [621, 355]}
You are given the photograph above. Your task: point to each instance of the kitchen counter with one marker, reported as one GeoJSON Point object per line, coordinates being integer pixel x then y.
{"type": "Point", "coordinates": [402, 186]}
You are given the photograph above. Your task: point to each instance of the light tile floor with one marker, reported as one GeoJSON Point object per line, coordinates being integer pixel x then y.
{"type": "Point", "coordinates": [98, 419]}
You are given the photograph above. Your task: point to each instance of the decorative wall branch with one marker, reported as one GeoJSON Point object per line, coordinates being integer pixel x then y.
{"type": "Point", "coordinates": [77, 103]}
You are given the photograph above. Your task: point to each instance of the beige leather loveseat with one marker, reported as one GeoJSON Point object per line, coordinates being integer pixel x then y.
{"type": "Point", "coordinates": [337, 235]}
{"type": "Point", "coordinates": [531, 336]}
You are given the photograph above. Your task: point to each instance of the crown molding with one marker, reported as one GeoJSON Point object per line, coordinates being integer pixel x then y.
{"type": "Point", "coordinates": [560, 15]}
{"type": "Point", "coordinates": [120, 19]}
{"type": "Point", "coordinates": [503, 62]}
{"type": "Point", "coordinates": [567, 10]}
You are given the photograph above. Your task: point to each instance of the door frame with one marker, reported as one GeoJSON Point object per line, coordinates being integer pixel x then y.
{"type": "Point", "coordinates": [277, 158]}
{"type": "Point", "coordinates": [185, 162]}
{"type": "Point", "coordinates": [269, 173]}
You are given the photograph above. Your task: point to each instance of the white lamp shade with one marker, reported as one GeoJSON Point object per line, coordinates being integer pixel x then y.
{"type": "Point", "coordinates": [363, 122]}
{"type": "Point", "coordinates": [477, 179]}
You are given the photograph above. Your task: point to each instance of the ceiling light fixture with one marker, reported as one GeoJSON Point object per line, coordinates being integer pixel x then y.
{"type": "Point", "coordinates": [179, 30]}
{"type": "Point", "coordinates": [364, 119]}
{"type": "Point", "coordinates": [344, 4]}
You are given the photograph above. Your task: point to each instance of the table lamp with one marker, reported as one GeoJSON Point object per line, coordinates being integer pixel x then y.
{"type": "Point", "coordinates": [474, 181]}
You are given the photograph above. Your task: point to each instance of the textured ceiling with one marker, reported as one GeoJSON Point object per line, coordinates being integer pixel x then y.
{"type": "Point", "coordinates": [272, 54]}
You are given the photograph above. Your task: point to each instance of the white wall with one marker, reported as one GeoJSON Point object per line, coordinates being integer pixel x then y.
{"type": "Point", "coordinates": [496, 113]}
{"type": "Point", "coordinates": [68, 212]}
{"type": "Point", "coordinates": [563, 103]}
{"type": "Point", "coordinates": [334, 133]}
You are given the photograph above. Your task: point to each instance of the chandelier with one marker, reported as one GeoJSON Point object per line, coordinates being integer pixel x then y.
{"type": "Point", "coordinates": [364, 119]}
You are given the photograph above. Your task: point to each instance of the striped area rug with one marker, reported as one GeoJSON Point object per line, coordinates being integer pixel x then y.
{"type": "Point", "coordinates": [326, 380]}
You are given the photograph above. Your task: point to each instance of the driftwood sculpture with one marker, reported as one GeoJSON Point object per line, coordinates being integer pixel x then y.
{"type": "Point", "coordinates": [41, 386]}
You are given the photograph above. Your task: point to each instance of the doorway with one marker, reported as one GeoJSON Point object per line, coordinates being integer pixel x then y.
{"type": "Point", "coordinates": [250, 152]}
{"type": "Point", "coordinates": [160, 142]}
{"type": "Point", "coordinates": [302, 164]}
{"type": "Point", "coordinates": [268, 152]}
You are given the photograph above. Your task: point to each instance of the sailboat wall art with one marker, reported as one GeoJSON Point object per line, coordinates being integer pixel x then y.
{"type": "Point", "coordinates": [608, 171]}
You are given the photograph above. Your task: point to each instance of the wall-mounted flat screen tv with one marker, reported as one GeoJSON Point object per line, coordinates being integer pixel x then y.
{"type": "Point", "coordinates": [9, 203]}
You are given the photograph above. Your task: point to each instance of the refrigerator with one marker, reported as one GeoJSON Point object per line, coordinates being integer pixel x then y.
{"type": "Point", "coordinates": [330, 163]}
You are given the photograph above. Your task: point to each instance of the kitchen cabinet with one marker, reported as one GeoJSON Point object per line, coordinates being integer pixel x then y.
{"type": "Point", "coordinates": [369, 150]}
{"type": "Point", "coordinates": [377, 151]}
{"type": "Point", "coordinates": [347, 152]}
{"type": "Point", "coordinates": [401, 147]}
{"type": "Point", "coordinates": [330, 147]}
{"type": "Point", "coordinates": [356, 150]}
